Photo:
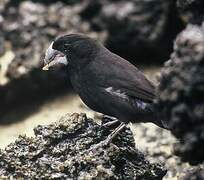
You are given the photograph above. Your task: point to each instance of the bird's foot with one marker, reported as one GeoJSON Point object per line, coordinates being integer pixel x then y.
{"type": "Point", "coordinates": [116, 132]}
{"type": "Point", "coordinates": [108, 139]}
{"type": "Point", "coordinates": [110, 123]}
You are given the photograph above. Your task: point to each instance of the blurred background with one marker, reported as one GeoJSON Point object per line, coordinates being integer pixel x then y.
{"type": "Point", "coordinates": [141, 31]}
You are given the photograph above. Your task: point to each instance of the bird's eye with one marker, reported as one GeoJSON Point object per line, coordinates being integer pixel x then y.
{"type": "Point", "coordinates": [66, 47]}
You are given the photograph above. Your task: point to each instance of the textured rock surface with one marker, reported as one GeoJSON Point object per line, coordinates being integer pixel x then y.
{"type": "Point", "coordinates": [142, 31]}
{"type": "Point", "coordinates": [181, 93]}
{"type": "Point", "coordinates": [30, 27]}
{"type": "Point", "coordinates": [194, 174]}
{"type": "Point", "coordinates": [192, 11]}
{"type": "Point", "coordinates": [157, 144]}
{"type": "Point", "coordinates": [60, 151]}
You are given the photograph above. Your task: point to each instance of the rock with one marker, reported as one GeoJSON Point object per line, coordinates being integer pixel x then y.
{"type": "Point", "coordinates": [141, 31]}
{"type": "Point", "coordinates": [192, 11]}
{"type": "Point", "coordinates": [30, 27]}
{"type": "Point", "coordinates": [181, 93]}
{"type": "Point", "coordinates": [61, 150]}
{"type": "Point", "coordinates": [196, 173]}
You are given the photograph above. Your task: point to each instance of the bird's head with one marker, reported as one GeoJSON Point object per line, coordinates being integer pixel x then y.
{"type": "Point", "coordinates": [72, 49]}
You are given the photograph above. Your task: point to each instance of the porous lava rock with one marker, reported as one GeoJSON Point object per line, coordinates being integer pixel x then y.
{"type": "Point", "coordinates": [141, 31]}
{"type": "Point", "coordinates": [62, 151]}
{"type": "Point", "coordinates": [196, 173]}
{"type": "Point", "coordinates": [192, 11]}
{"type": "Point", "coordinates": [181, 93]}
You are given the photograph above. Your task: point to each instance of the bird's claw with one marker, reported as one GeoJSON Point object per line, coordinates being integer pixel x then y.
{"type": "Point", "coordinates": [107, 140]}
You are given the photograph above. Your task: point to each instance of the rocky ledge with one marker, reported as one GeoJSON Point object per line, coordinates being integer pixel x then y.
{"type": "Point", "coordinates": [62, 150]}
{"type": "Point", "coordinates": [181, 91]}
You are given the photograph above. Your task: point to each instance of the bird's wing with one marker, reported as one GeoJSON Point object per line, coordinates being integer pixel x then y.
{"type": "Point", "coordinates": [122, 76]}
{"type": "Point", "coordinates": [139, 87]}
{"type": "Point", "coordinates": [140, 93]}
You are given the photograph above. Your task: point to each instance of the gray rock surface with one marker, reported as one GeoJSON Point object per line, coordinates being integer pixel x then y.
{"type": "Point", "coordinates": [142, 31]}
{"type": "Point", "coordinates": [194, 174]}
{"type": "Point", "coordinates": [192, 11]}
{"type": "Point", "coordinates": [181, 93]}
{"type": "Point", "coordinates": [61, 150]}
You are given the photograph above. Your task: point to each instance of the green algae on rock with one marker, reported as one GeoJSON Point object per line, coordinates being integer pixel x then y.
{"type": "Point", "coordinates": [61, 151]}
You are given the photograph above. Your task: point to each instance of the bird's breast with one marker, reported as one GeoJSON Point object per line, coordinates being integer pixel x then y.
{"type": "Point", "coordinates": [84, 87]}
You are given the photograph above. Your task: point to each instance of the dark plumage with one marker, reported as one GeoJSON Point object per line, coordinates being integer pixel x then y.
{"type": "Point", "coordinates": [106, 82]}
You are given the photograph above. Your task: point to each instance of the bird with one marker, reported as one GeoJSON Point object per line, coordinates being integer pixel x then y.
{"type": "Point", "coordinates": [106, 82]}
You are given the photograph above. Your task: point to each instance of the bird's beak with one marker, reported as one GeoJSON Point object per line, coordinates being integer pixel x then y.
{"type": "Point", "coordinates": [57, 62]}
{"type": "Point", "coordinates": [54, 58]}
{"type": "Point", "coordinates": [46, 67]}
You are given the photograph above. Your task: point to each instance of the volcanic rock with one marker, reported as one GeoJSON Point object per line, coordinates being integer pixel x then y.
{"type": "Point", "coordinates": [192, 11]}
{"type": "Point", "coordinates": [181, 93]}
{"type": "Point", "coordinates": [141, 31]}
{"type": "Point", "coordinates": [196, 173]}
{"type": "Point", "coordinates": [65, 150]}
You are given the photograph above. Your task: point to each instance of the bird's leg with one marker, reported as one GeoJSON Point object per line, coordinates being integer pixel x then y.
{"type": "Point", "coordinates": [109, 138]}
{"type": "Point", "coordinates": [110, 123]}
{"type": "Point", "coordinates": [115, 132]}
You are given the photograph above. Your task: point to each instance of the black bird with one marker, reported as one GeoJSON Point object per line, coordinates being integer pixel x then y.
{"type": "Point", "coordinates": [106, 82]}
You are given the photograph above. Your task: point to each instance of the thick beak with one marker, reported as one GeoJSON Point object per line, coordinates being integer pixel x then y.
{"type": "Point", "coordinates": [54, 58]}
{"type": "Point", "coordinates": [46, 67]}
